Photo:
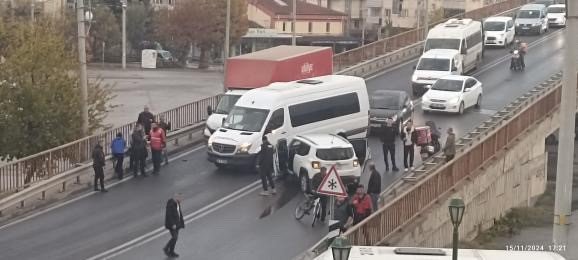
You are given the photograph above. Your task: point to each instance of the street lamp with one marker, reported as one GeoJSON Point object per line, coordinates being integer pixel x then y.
{"type": "Point", "coordinates": [340, 248]}
{"type": "Point", "coordinates": [457, 209]}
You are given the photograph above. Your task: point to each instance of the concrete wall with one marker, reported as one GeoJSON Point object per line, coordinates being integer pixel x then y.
{"type": "Point", "coordinates": [515, 178]}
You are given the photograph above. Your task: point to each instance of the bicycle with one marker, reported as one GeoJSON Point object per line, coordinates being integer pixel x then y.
{"type": "Point", "coordinates": [304, 208]}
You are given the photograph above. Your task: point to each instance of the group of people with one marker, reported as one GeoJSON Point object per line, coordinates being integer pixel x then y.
{"type": "Point", "coordinates": [147, 132]}
{"type": "Point", "coordinates": [409, 137]}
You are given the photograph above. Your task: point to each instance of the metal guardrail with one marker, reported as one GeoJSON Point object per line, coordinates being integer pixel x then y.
{"type": "Point", "coordinates": [476, 148]}
{"type": "Point", "coordinates": [358, 55]}
{"type": "Point", "coordinates": [27, 171]}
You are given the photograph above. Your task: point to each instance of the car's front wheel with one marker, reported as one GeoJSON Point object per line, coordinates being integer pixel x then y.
{"type": "Point", "coordinates": [461, 109]}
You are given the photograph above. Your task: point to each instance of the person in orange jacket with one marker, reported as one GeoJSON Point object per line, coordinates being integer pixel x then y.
{"type": "Point", "coordinates": [157, 144]}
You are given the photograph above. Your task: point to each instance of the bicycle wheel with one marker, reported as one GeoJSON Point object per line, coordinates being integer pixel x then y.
{"type": "Point", "coordinates": [301, 210]}
{"type": "Point", "coordinates": [316, 209]}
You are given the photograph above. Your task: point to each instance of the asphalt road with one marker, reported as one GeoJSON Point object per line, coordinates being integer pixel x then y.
{"type": "Point", "coordinates": [226, 219]}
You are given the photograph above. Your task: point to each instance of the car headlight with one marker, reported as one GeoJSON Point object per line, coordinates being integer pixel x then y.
{"type": "Point", "coordinates": [315, 165]}
{"type": "Point", "coordinates": [394, 118]}
{"type": "Point", "coordinates": [413, 78]}
{"type": "Point", "coordinates": [425, 98]}
{"type": "Point", "coordinates": [244, 148]}
{"type": "Point", "coordinates": [517, 24]}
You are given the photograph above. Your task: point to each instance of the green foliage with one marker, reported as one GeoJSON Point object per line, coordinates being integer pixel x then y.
{"type": "Point", "coordinates": [105, 28]}
{"type": "Point", "coordinates": [137, 20]}
{"type": "Point", "coordinates": [40, 104]}
{"type": "Point", "coordinates": [201, 22]}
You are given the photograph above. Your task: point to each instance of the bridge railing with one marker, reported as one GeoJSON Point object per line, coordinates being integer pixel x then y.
{"type": "Point", "coordinates": [355, 56]}
{"type": "Point", "coordinates": [26, 171]}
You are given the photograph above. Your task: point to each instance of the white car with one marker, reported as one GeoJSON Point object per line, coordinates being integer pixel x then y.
{"type": "Point", "coordinates": [499, 31]}
{"type": "Point", "coordinates": [557, 15]}
{"type": "Point", "coordinates": [453, 94]}
{"type": "Point", "coordinates": [309, 152]}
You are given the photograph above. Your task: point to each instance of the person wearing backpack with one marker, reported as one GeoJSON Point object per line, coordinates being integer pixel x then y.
{"type": "Point", "coordinates": [362, 205]}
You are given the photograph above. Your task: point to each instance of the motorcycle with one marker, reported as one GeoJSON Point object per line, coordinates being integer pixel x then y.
{"type": "Point", "coordinates": [516, 61]}
{"type": "Point", "coordinates": [428, 139]}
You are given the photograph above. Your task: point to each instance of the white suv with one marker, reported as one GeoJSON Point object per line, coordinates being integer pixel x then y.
{"type": "Point", "coordinates": [309, 152]}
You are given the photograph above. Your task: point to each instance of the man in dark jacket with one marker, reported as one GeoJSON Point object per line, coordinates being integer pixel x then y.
{"type": "Point", "coordinates": [98, 162]}
{"type": "Point", "coordinates": [146, 118]}
{"type": "Point", "coordinates": [117, 148]}
{"type": "Point", "coordinates": [173, 222]}
{"type": "Point", "coordinates": [374, 185]}
{"type": "Point", "coordinates": [315, 182]}
{"type": "Point", "coordinates": [388, 140]}
{"type": "Point", "coordinates": [265, 164]}
{"type": "Point", "coordinates": [139, 151]}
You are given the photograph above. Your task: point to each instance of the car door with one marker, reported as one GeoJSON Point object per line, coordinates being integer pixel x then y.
{"type": "Point", "coordinates": [469, 93]}
{"type": "Point", "coordinates": [361, 148]}
{"type": "Point", "coordinates": [293, 149]}
{"type": "Point", "coordinates": [510, 32]}
{"type": "Point", "coordinates": [407, 109]}
{"type": "Point", "coordinates": [301, 158]}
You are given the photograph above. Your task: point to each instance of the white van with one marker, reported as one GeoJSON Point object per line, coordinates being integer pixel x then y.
{"type": "Point", "coordinates": [412, 253]}
{"type": "Point", "coordinates": [332, 104]}
{"type": "Point", "coordinates": [499, 31]}
{"type": "Point", "coordinates": [556, 15]}
{"type": "Point", "coordinates": [433, 65]}
{"type": "Point", "coordinates": [531, 18]}
{"type": "Point", "coordinates": [463, 35]}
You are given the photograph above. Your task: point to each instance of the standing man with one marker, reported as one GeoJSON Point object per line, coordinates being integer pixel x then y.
{"type": "Point", "coordinates": [388, 140]}
{"type": "Point", "coordinates": [265, 164]}
{"type": "Point", "coordinates": [409, 138]}
{"type": "Point", "coordinates": [323, 199]}
{"type": "Point", "coordinates": [146, 118]}
{"type": "Point", "coordinates": [157, 137]}
{"type": "Point", "coordinates": [118, 147]}
{"type": "Point", "coordinates": [374, 185]}
{"type": "Point", "coordinates": [450, 146]}
{"type": "Point", "coordinates": [98, 166]}
{"type": "Point", "coordinates": [173, 222]}
{"type": "Point", "coordinates": [362, 205]}
{"type": "Point", "coordinates": [139, 151]}
{"type": "Point", "coordinates": [166, 126]}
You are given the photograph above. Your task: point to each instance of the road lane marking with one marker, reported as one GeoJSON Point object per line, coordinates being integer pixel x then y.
{"type": "Point", "coordinates": [206, 210]}
{"type": "Point", "coordinates": [93, 193]}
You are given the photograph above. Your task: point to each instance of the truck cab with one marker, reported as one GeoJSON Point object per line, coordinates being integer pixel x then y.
{"type": "Point", "coordinates": [219, 113]}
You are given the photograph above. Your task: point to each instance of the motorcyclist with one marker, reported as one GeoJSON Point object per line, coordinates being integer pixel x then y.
{"type": "Point", "coordinates": [522, 49]}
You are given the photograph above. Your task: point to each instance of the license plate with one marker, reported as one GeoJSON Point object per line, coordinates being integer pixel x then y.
{"type": "Point", "coordinates": [221, 161]}
{"type": "Point", "coordinates": [490, 41]}
{"type": "Point", "coordinates": [375, 125]}
{"type": "Point", "coordinates": [525, 28]}
{"type": "Point", "coordinates": [437, 106]}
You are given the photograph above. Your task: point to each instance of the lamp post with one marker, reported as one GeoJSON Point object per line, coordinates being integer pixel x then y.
{"type": "Point", "coordinates": [340, 248]}
{"type": "Point", "coordinates": [227, 44]}
{"type": "Point", "coordinates": [457, 209]}
{"type": "Point", "coordinates": [124, 4]}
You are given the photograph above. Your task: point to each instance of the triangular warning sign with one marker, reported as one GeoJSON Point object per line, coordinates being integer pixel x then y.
{"type": "Point", "coordinates": [332, 185]}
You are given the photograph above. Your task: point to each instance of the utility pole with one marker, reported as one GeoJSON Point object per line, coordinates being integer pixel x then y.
{"type": "Point", "coordinates": [418, 27]}
{"type": "Point", "coordinates": [426, 19]}
{"type": "Point", "coordinates": [32, 7]}
{"type": "Point", "coordinates": [82, 62]}
{"type": "Point", "coordinates": [564, 174]}
{"type": "Point", "coordinates": [226, 47]}
{"type": "Point", "coordinates": [294, 24]}
{"type": "Point", "coordinates": [124, 4]}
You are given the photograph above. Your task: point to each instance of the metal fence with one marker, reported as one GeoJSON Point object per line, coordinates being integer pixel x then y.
{"type": "Point", "coordinates": [21, 173]}
{"type": "Point", "coordinates": [355, 56]}
{"type": "Point", "coordinates": [511, 122]}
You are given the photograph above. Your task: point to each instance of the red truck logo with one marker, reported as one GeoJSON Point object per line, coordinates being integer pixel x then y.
{"type": "Point", "coordinates": [306, 68]}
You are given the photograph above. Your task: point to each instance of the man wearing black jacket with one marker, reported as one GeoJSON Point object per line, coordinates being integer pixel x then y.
{"type": "Point", "coordinates": [146, 118]}
{"type": "Point", "coordinates": [98, 162]}
{"type": "Point", "coordinates": [388, 140]}
{"type": "Point", "coordinates": [173, 222]}
{"type": "Point", "coordinates": [374, 185]}
{"type": "Point", "coordinates": [266, 166]}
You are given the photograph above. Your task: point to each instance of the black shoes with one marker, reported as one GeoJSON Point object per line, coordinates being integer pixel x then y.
{"type": "Point", "coordinates": [170, 254]}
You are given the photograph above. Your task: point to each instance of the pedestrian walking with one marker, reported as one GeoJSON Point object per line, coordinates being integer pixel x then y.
{"type": "Point", "coordinates": [362, 204]}
{"type": "Point", "coordinates": [139, 151]}
{"type": "Point", "coordinates": [409, 138]}
{"type": "Point", "coordinates": [98, 162]}
{"type": "Point", "coordinates": [146, 118]}
{"type": "Point", "coordinates": [118, 147]}
{"type": "Point", "coordinates": [265, 164]}
{"type": "Point", "coordinates": [173, 222]}
{"type": "Point", "coordinates": [374, 185]}
{"type": "Point", "coordinates": [388, 143]}
{"type": "Point", "coordinates": [450, 146]}
{"type": "Point", "coordinates": [166, 126]}
{"type": "Point", "coordinates": [158, 141]}
{"type": "Point", "coordinates": [323, 199]}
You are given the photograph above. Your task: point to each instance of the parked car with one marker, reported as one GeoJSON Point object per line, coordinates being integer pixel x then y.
{"type": "Point", "coordinates": [309, 152]}
{"type": "Point", "coordinates": [389, 103]}
{"type": "Point", "coordinates": [453, 94]}
{"type": "Point", "coordinates": [499, 31]}
{"type": "Point", "coordinates": [557, 15]}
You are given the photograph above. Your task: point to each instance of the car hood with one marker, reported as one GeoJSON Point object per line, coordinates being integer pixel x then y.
{"type": "Point", "coordinates": [236, 138]}
{"type": "Point", "coordinates": [497, 34]}
{"type": "Point", "coordinates": [527, 20]}
{"type": "Point", "coordinates": [429, 74]}
{"type": "Point", "coordinates": [441, 95]}
{"type": "Point", "coordinates": [382, 113]}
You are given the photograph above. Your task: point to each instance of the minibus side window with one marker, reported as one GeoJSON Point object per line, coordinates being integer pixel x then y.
{"type": "Point", "coordinates": [276, 120]}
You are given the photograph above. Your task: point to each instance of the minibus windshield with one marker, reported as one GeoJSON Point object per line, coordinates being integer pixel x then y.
{"type": "Point", "coordinates": [226, 103]}
{"type": "Point", "coordinates": [246, 119]}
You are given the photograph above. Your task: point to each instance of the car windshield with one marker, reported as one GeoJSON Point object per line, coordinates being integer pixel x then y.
{"type": "Point", "coordinates": [556, 10]}
{"type": "Point", "coordinates": [226, 103]}
{"type": "Point", "coordinates": [453, 44]}
{"type": "Point", "coordinates": [385, 102]}
{"type": "Point", "coordinates": [494, 26]}
{"type": "Point", "coordinates": [335, 154]}
{"type": "Point", "coordinates": [528, 14]}
{"type": "Point", "coordinates": [246, 119]}
{"type": "Point", "coordinates": [434, 64]}
{"type": "Point", "coordinates": [453, 85]}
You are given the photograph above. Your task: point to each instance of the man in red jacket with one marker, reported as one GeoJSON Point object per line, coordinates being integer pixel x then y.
{"type": "Point", "coordinates": [157, 143]}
